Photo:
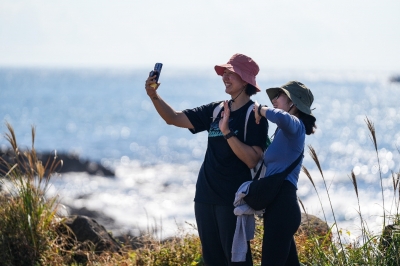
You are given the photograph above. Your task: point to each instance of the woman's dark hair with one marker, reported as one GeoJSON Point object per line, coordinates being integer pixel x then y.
{"type": "Point", "coordinates": [250, 89]}
{"type": "Point", "coordinates": [309, 122]}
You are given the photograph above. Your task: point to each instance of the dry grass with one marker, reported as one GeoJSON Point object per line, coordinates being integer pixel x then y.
{"type": "Point", "coordinates": [31, 232]}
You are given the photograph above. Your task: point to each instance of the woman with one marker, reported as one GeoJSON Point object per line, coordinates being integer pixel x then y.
{"type": "Point", "coordinates": [292, 114]}
{"type": "Point", "coordinates": [230, 153]}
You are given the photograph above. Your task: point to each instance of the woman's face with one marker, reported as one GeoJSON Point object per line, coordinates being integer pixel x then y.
{"type": "Point", "coordinates": [281, 101]}
{"type": "Point", "coordinates": [233, 82]}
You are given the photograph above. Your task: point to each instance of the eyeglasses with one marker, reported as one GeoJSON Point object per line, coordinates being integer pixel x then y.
{"type": "Point", "coordinates": [277, 95]}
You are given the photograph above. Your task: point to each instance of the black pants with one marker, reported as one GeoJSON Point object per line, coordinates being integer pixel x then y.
{"type": "Point", "coordinates": [281, 220]}
{"type": "Point", "coordinates": [216, 225]}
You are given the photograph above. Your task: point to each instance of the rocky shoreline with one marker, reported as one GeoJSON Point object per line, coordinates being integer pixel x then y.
{"type": "Point", "coordinates": [70, 163]}
{"type": "Point", "coordinates": [94, 226]}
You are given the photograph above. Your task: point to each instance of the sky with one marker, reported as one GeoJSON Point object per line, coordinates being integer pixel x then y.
{"type": "Point", "coordinates": [288, 34]}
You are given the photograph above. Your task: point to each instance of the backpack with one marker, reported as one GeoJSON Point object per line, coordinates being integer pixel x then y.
{"type": "Point", "coordinates": [259, 169]}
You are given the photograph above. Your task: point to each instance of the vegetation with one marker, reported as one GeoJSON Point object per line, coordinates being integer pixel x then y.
{"type": "Point", "coordinates": [27, 217]}
{"type": "Point", "coordinates": [30, 231]}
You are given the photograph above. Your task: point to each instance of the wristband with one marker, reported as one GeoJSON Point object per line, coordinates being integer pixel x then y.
{"type": "Point", "coordinates": [230, 134]}
{"type": "Point", "coordinates": [259, 109]}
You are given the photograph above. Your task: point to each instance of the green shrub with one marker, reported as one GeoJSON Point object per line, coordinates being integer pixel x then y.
{"type": "Point", "coordinates": [26, 216]}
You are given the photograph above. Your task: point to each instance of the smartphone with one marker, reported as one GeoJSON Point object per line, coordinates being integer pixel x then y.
{"type": "Point", "coordinates": [156, 71]}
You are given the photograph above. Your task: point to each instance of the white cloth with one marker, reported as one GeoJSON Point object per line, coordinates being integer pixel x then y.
{"type": "Point", "coordinates": [245, 224]}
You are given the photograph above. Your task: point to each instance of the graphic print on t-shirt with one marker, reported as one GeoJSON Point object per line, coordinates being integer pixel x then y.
{"type": "Point", "coordinates": [214, 128]}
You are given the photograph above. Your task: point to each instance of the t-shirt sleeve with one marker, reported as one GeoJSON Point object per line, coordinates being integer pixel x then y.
{"type": "Point", "coordinates": [257, 133]}
{"type": "Point", "coordinates": [201, 117]}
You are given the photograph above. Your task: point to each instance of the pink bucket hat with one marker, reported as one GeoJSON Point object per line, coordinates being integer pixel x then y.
{"type": "Point", "coordinates": [242, 65]}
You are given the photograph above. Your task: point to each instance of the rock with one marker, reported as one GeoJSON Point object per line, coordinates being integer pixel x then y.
{"type": "Point", "coordinates": [390, 231]}
{"type": "Point", "coordinates": [100, 217]}
{"type": "Point", "coordinates": [312, 226]}
{"type": "Point", "coordinates": [395, 79]}
{"type": "Point", "coordinates": [87, 230]}
{"type": "Point", "coordinates": [135, 241]}
{"type": "Point", "coordinates": [71, 163]}
{"type": "Point", "coordinates": [81, 234]}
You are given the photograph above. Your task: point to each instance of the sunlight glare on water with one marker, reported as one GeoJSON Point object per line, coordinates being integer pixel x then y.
{"type": "Point", "coordinates": [105, 116]}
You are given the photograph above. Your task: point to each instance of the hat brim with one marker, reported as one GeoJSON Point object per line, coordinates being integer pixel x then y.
{"type": "Point", "coordinates": [221, 68]}
{"type": "Point", "coordinates": [244, 76]}
{"type": "Point", "coordinates": [271, 92]}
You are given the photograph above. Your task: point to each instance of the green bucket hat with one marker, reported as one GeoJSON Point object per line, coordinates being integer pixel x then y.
{"type": "Point", "coordinates": [298, 93]}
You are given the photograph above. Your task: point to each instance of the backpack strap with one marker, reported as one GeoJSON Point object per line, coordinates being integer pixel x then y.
{"type": "Point", "coordinates": [291, 167]}
{"type": "Point", "coordinates": [260, 163]}
{"type": "Point", "coordinates": [262, 169]}
{"type": "Point", "coordinates": [259, 167]}
{"type": "Point", "coordinates": [217, 109]}
{"type": "Point", "coordinates": [247, 119]}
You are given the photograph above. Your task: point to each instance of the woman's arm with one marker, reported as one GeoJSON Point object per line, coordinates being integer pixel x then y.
{"type": "Point", "coordinates": [259, 111]}
{"type": "Point", "coordinates": [285, 121]}
{"type": "Point", "coordinates": [250, 155]}
{"type": "Point", "coordinates": [170, 116]}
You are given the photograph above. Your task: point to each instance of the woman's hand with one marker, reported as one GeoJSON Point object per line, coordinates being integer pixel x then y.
{"type": "Point", "coordinates": [224, 122]}
{"type": "Point", "coordinates": [151, 87]}
{"type": "Point", "coordinates": [256, 115]}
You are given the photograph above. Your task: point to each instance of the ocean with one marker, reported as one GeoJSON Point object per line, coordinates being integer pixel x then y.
{"type": "Point", "coordinates": [104, 115]}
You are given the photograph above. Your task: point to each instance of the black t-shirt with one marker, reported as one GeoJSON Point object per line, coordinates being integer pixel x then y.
{"type": "Point", "coordinates": [222, 172]}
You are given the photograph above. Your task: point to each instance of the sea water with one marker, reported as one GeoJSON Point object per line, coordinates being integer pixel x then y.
{"type": "Point", "coordinates": [105, 116]}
